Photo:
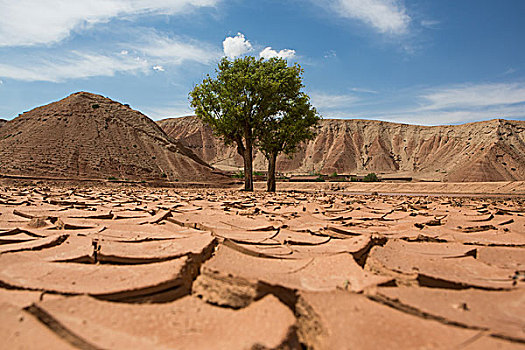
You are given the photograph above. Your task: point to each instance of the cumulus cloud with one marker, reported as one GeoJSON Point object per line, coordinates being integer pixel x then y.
{"type": "Point", "coordinates": [158, 68]}
{"type": "Point", "coordinates": [35, 22]}
{"type": "Point", "coordinates": [385, 16]}
{"type": "Point", "coordinates": [268, 52]}
{"type": "Point", "coordinates": [236, 46]}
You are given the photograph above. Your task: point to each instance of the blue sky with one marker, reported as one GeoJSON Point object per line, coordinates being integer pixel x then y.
{"type": "Point", "coordinates": [423, 62]}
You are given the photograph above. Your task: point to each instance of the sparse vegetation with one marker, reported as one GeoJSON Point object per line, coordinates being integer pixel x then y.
{"type": "Point", "coordinates": [239, 175]}
{"type": "Point", "coordinates": [95, 105]}
{"type": "Point", "coordinates": [372, 177]}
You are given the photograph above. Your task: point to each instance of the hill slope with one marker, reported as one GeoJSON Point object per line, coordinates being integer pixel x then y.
{"type": "Point", "coordinates": [484, 151]}
{"type": "Point", "coordinates": [90, 136]}
{"type": "Point", "coordinates": [2, 122]}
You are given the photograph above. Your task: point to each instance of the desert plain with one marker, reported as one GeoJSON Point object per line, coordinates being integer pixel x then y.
{"type": "Point", "coordinates": [121, 266]}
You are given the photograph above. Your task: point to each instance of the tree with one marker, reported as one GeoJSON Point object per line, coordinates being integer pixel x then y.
{"type": "Point", "coordinates": [283, 133]}
{"type": "Point", "coordinates": [245, 95]}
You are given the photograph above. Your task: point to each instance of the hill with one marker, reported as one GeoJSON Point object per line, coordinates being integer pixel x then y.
{"type": "Point", "coordinates": [483, 151]}
{"type": "Point", "coordinates": [90, 136]}
{"type": "Point", "coordinates": [2, 122]}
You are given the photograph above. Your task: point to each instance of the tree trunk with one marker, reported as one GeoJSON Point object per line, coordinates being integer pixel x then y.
{"type": "Point", "coordinates": [272, 160]}
{"type": "Point", "coordinates": [247, 158]}
{"type": "Point", "coordinates": [248, 166]}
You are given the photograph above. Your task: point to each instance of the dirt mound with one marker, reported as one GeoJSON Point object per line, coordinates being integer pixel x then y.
{"type": "Point", "coordinates": [484, 151]}
{"type": "Point", "coordinates": [90, 136]}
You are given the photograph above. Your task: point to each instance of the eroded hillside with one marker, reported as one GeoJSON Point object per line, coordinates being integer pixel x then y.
{"type": "Point", "coordinates": [90, 136]}
{"type": "Point", "coordinates": [484, 151]}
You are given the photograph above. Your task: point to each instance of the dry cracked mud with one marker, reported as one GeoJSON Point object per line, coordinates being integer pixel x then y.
{"type": "Point", "coordinates": [121, 268]}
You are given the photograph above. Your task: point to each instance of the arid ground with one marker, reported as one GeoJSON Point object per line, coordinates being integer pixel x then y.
{"type": "Point", "coordinates": [134, 267]}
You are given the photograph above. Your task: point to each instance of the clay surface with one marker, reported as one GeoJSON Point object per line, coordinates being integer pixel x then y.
{"type": "Point", "coordinates": [118, 267]}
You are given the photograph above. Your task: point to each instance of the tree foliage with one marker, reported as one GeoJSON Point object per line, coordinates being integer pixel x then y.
{"type": "Point", "coordinates": [283, 133]}
{"type": "Point", "coordinates": [255, 101]}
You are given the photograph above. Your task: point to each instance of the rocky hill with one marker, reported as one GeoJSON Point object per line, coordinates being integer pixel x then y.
{"type": "Point", "coordinates": [90, 136]}
{"type": "Point", "coordinates": [2, 122]}
{"type": "Point", "coordinates": [484, 151]}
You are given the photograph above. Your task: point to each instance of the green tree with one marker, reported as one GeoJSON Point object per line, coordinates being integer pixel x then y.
{"type": "Point", "coordinates": [283, 133]}
{"type": "Point", "coordinates": [244, 96]}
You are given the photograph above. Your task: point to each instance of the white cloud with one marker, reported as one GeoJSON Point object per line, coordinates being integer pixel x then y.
{"type": "Point", "coordinates": [329, 102]}
{"type": "Point", "coordinates": [441, 105]}
{"type": "Point", "coordinates": [510, 71]}
{"type": "Point", "coordinates": [367, 91]}
{"type": "Point", "coordinates": [181, 109]}
{"type": "Point", "coordinates": [147, 51]}
{"type": "Point", "coordinates": [385, 16]}
{"type": "Point", "coordinates": [431, 24]}
{"type": "Point", "coordinates": [330, 54]}
{"type": "Point", "coordinates": [236, 46]}
{"type": "Point", "coordinates": [72, 66]}
{"type": "Point", "coordinates": [469, 96]}
{"type": "Point", "coordinates": [35, 22]}
{"type": "Point", "coordinates": [169, 51]}
{"type": "Point", "coordinates": [268, 52]}
{"type": "Point", "coordinates": [452, 117]}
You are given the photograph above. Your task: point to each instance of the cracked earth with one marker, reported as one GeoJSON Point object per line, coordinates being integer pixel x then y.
{"type": "Point", "coordinates": [128, 268]}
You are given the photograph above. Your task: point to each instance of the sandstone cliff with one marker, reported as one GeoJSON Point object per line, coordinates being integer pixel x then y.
{"type": "Point", "coordinates": [484, 151]}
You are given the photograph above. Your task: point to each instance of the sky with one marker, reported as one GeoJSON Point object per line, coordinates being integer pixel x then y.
{"type": "Point", "coordinates": [421, 62]}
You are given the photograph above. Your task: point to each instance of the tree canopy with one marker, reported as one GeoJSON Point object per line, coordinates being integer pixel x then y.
{"type": "Point", "coordinates": [254, 101]}
{"type": "Point", "coordinates": [283, 133]}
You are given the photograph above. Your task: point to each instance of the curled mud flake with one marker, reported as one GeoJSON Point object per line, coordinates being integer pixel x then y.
{"type": "Point", "coordinates": [506, 222]}
{"type": "Point", "coordinates": [481, 228]}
